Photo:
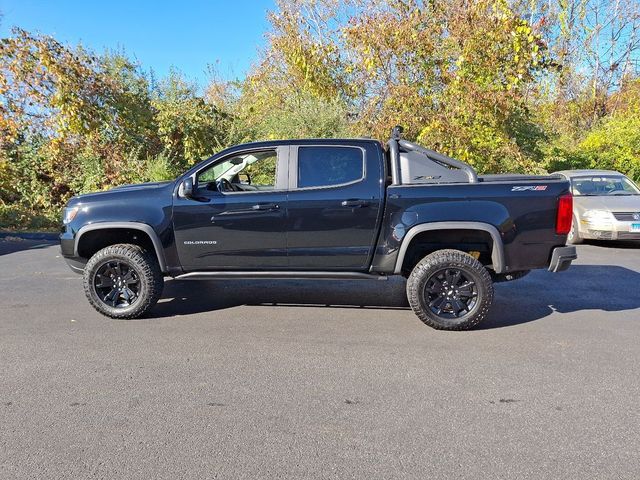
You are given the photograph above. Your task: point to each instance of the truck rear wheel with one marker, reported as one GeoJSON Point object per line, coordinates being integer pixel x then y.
{"type": "Point", "coordinates": [123, 281]}
{"type": "Point", "coordinates": [450, 290]}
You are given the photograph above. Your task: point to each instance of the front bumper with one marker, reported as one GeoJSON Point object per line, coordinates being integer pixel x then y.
{"type": "Point", "coordinates": [610, 230]}
{"type": "Point", "coordinates": [76, 265]}
{"type": "Point", "coordinates": [562, 257]}
{"type": "Point", "coordinates": [67, 248]}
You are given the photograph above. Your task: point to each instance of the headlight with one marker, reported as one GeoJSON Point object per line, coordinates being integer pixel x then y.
{"type": "Point", "coordinates": [69, 214]}
{"type": "Point", "coordinates": [598, 216]}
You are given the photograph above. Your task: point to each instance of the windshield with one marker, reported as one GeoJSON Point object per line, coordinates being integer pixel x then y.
{"type": "Point", "coordinates": [603, 185]}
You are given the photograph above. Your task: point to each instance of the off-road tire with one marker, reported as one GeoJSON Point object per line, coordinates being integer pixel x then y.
{"type": "Point", "coordinates": [439, 261]}
{"type": "Point", "coordinates": [144, 264]}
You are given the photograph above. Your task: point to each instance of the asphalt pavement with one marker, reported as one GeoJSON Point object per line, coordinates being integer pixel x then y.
{"type": "Point", "coordinates": [320, 379]}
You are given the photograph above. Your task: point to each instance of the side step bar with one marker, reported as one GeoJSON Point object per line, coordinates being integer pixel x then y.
{"type": "Point", "coordinates": [280, 275]}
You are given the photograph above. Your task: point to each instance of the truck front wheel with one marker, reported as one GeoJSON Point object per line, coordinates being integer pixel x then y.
{"type": "Point", "coordinates": [450, 290]}
{"type": "Point", "coordinates": [123, 281]}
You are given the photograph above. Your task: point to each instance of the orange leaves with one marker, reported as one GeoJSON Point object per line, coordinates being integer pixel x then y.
{"type": "Point", "coordinates": [463, 65]}
{"type": "Point", "coordinates": [47, 86]}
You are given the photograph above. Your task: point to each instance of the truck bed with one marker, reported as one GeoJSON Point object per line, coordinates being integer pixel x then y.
{"type": "Point", "coordinates": [522, 208]}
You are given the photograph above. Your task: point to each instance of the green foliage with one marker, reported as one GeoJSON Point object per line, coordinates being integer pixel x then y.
{"type": "Point", "coordinates": [496, 83]}
{"type": "Point", "coordinates": [21, 218]}
{"type": "Point", "coordinates": [188, 126]}
{"type": "Point", "coordinates": [73, 122]}
{"type": "Point", "coordinates": [160, 168]}
{"type": "Point", "coordinates": [93, 173]}
{"type": "Point", "coordinates": [7, 179]}
{"type": "Point", "coordinates": [263, 172]}
{"type": "Point", "coordinates": [304, 116]}
{"type": "Point", "coordinates": [613, 144]}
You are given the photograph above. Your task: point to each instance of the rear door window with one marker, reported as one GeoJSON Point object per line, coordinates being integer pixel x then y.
{"type": "Point", "coordinates": [329, 166]}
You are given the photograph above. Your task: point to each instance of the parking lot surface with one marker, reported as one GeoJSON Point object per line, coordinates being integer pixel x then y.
{"type": "Point", "coordinates": [320, 379]}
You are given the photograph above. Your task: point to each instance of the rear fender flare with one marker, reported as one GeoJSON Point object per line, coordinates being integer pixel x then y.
{"type": "Point", "coordinates": [497, 252]}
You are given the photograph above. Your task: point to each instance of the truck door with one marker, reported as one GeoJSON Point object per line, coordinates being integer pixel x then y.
{"type": "Point", "coordinates": [236, 218]}
{"type": "Point", "coordinates": [334, 204]}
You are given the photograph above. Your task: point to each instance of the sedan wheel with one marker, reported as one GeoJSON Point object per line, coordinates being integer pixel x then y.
{"type": "Point", "coordinates": [574, 235]}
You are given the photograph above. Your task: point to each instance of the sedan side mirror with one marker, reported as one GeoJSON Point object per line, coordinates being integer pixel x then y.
{"type": "Point", "coordinates": [186, 188]}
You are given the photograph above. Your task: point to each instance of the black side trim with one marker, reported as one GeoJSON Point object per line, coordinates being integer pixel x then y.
{"type": "Point", "coordinates": [280, 274]}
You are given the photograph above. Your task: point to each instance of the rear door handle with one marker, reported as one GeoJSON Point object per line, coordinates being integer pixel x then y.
{"type": "Point", "coordinates": [266, 206]}
{"type": "Point", "coordinates": [355, 203]}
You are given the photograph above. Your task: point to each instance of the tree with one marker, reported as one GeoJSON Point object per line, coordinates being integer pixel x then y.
{"type": "Point", "coordinates": [189, 127]}
{"type": "Point", "coordinates": [506, 85]}
{"type": "Point", "coordinates": [454, 74]}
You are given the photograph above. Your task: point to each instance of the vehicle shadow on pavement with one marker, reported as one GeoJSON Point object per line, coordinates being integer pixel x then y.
{"type": "Point", "coordinates": [608, 288]}
{"type": "Point", "coordinates": [186, 297]}
{"type": "Point", "coordinates": [581, 288]}
{"type": "Point", "coordinates": [12, 244]}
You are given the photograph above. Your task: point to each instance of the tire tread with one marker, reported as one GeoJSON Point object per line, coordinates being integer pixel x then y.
{"type": "Point", "coordinates": [146, 265]}
{"type": "Point", "coordinates": [448, 258]}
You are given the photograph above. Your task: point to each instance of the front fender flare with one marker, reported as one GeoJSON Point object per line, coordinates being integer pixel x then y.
{"type": "Point", "coordinates": [497, 252]}
{"type": "Point", "coordinates": [143, 227]}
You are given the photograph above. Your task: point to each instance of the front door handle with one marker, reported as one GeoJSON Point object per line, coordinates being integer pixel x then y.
{"type": "Point", "coordinates": [355, 203]}
{"type": "Point", "coordinates": [260, 207]}
{"type": "Point", "coordinates": [266, 206]}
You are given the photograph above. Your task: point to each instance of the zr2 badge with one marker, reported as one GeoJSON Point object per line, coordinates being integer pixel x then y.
{"type": "Point", "coordinates": [529, 188]}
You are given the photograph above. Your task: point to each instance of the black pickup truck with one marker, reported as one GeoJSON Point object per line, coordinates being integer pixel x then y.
{"type": "Point", "coordinates": [323, 209]}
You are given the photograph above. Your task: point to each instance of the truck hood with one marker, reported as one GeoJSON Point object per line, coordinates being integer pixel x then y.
{"type": "Point", "coordinates": [147, 187]}
{"type": "Point", "coordinates": [140, 186]}
{"type": "Point", "coordinates": [612, 203]}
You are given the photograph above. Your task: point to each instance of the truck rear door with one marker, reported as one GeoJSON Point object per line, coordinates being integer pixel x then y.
{"type": "Point", "coordinates": [334, 205]}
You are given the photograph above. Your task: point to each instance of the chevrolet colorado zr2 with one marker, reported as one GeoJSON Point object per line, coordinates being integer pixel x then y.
{"type": "Point", "coordinates": [323, 209]}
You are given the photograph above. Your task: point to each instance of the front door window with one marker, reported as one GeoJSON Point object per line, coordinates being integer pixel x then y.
{"type": "Point", "coordinates": [247, 172]}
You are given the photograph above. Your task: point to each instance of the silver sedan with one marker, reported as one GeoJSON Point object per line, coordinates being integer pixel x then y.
{"type": "Point", "coordinates": [606, 205]}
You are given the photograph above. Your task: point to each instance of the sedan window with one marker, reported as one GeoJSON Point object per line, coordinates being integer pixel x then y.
{"type": "Point", "coordinates": [603, 185]}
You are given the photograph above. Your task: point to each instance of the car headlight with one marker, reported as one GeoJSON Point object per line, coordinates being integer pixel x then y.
{"type": "Point", "coordinates": [69, 214]}
{"type": "Point", "coordinates": [598, 216]}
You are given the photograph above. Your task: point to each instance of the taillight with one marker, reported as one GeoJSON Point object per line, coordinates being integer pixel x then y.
{"type": "Point", "coordinates": [565, 214]}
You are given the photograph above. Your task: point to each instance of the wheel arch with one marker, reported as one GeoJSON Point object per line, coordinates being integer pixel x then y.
{"type": "Point", "coordinates": [497, 249]}
{"type": "Point", "coordinates": [124, 226]}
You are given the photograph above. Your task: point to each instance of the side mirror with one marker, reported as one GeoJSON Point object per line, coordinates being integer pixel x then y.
{"type": "Point", "coordinates": [186, 188]}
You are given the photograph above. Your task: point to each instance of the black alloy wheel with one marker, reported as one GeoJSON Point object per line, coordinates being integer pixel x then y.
{"type": "Point", "coordinates": [450, 293]}
{"type": "Point", "coordinates": [117, 284]}
{"type": "Point", "coordinates": [450, 290]}
{"type": "Point", "coordinates": [123, 281]}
